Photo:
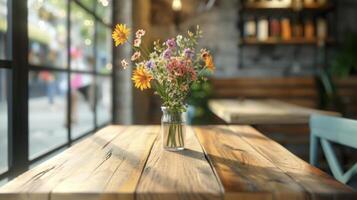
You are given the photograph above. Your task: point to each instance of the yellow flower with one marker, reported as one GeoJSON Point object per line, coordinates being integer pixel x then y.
{"type": "Point", "coordinates": [142, 78]}
{"type": "Point", "coordinates": [120, 34]}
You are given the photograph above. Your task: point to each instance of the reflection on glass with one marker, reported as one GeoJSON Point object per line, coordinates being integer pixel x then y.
{"type": "Point", "coordinates": [104, 49]}
{"type": "Point", "coordinates": [47, 32]}
{"type": "Point", "coordinates": [47, 111]}
{"type": "Point", "coordinates": [88, 3]}
{"type": "Point", "coordinates": [82, 36]}
{"type": "Point", "coordinates": [3, 121]}
{"type": "Point", "coordinates": [3, 27]}
{"type": "Point", "coordinates": [104, 10]}
{"type": "Point", "coordinates": [82, 104]}
{"type": "Point", "coordinates": [104, 100]}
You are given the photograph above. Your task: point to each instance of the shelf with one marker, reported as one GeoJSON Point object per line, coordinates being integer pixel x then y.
{"type": "Point", "coordinates": [274, 41]}
{"type": "Point", "coordinates": [275, 6]}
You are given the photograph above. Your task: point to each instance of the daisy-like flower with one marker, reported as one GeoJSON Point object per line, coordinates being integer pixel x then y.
{"type": "Point", "coordinates": [135, 56]}
{"type": "Point", "coordinates": [141, 78]}
{"type": "Point", "coordinates": [124, 63]}
{"type": "Point", "coordinates": [137, 42]}
{"type": "Point", "coordinates": [140, 33]}
{"type": "Point", "coordinates": [120, 34]}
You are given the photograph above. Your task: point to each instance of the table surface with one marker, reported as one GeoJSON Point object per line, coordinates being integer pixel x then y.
{"type": "Point", "coordinates": [267, 111]}
{"type": "Point", "coordinates": [219, 162]}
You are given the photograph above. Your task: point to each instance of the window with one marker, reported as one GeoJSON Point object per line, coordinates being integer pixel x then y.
{"type": "Point", "coordinates": [104, 98]}
{"type": "Point", "coordinates": [65, 73]}
{"type": "Point", "coordinates": [47, 33]}
{"type": "Point", "coordinates": [47, 111]}
{"type": "Point", "coordinates": [65, 62]}
{"type": "Point", "coordinates": [3, 28]}
{"type": "Point", "coordinates": [82, 101]}
{"type": "Point", "coordinates": [3, 121]}
{"type": "Point", "coordinates": [82, 39]}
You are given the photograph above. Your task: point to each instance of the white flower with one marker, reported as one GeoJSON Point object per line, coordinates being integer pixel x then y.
{"type": "Point", "coordinates": [140, 33]}
{"type": "Point", "coordinates": [179, 40]}
{"type": "Point", "coordinates": [137, 42]}
{"type": "Point", "coordinates": [124, 63]}
{"type": "Point", "coordinates": [135, 56]}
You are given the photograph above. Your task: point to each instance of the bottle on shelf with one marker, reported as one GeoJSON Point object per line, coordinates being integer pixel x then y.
{"type": "Point", "coordinates": [250, 28]}
{"type": "Point", "coordinates": [263, 29]}
{"type": "Point", "coordinates": [321, 29]}
{"type": "Point", "coordinates": [275, 30]}
{"type": "Point", "coordinates": [286, 29]}
{"type": "Point", "coordinates": [309, 29]}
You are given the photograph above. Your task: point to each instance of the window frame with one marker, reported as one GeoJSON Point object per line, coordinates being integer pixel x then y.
{"type": "Point", "coordinates": [17, 63]}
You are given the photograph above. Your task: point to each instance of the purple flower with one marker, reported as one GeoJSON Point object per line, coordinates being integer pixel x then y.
{"type": "Point", "coordinates": [171, 43]}
{"type": "Point", "coordinates": [150, 64]}
{"type": "Point", "coordinates": [188, 53]}
{"type": "Point", "coordinates": [167, 54]}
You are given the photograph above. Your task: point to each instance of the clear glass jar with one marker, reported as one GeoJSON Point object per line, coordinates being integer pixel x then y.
{"type": "Point", "coordinates": [173, 129]}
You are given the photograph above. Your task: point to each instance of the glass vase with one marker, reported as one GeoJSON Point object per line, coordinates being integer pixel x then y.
{"type": "Point", "coordinates": [173, 129]}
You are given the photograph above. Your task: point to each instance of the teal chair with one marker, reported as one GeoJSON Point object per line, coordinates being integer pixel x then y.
{"type": "Point", "coordinates": [326, 129]}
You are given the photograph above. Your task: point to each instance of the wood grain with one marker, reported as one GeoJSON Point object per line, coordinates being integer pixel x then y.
{"type": "Point", "coordinates": [178, 175]}
{"type": "Point", "coordinates": [316, 183]}
{"type": "Point", "coordinates": [128, 162]}
{"type": "Point", "coordinates": [107, 165]}
{"type": "Point", "coordinates": [267, 111]}
{"type": "Point", "coordinates": [245, 173]}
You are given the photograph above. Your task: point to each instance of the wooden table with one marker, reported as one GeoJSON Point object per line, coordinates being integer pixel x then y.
{"type": "Point", "coordinates": [268, 111]}
{"type": "Point", "coordinates": [220, 162]}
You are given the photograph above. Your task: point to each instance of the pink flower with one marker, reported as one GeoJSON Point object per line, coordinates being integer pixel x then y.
{"type": "Point", "coordinates": [135, 56]}
{"type": "Point", "coordinates": [137, 42]}
{"type": "Point", "coordinates": [139, 33]}
{"type": "Point", "coordinates": [167, 54]}
{"type": "Point", "coordinates": [124, 63]}
{"type": "Point", "coordinates": [171, 43]}
{"type": "Point", "coordinates": [181, 68]}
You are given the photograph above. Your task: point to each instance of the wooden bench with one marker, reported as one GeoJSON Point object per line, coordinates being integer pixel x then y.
{"type": "Point", "coordinates": [220, 162]}
{"type": "Point", "coordinates": [297, 90]}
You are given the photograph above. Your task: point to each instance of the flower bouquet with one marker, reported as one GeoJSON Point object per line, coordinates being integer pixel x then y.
{"type": "Point", "coordinates": [170, 68]}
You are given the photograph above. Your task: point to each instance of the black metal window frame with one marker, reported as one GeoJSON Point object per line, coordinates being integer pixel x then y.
{"type": "Point", "coordinates": [18, 79]}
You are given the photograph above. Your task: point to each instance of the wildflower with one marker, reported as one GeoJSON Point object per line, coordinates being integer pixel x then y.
{"type": "Point", "coordinates": [188, 53]}
{"type": "Point", "coordinates": [167, 54]}
{"type": "Point", "coordinates": [181, 68]}
{"type": "Point", "coordinates": [137, 42]}
{"type": "Point", "coordinates": [139, 33]}
{"type": "Point", "coordinates": [204, 53]}
{"type": "Point", "coordinates": [120, 34]}
{"type": "Point", "coordinates": [124, 63]}
{"type": "Point", "coordinates": [179, 40]}
{"type": "Point", "coordinates": [150, 64]}
{"type": "Point", "coordinates": [189, 33]}
{"type": "Point", "coordinates": [171, 43]}
{"type": "Point", "coordinates": [209, 63]}
{"type": "Point", "coordinates": [141, 78]}
{"type": "Point", "coordinates": [135, 56]}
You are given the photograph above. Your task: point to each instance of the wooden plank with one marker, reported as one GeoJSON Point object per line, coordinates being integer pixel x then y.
{"type": "Point", "coordinates": [318, 184]}
{"type": "Point", "coordinates": [262, 112]}
{"type": "Point", "coordinates": [107, 165]}
{"type": "Point", "coordinates": [266, 92]}
{"type": "Point", "coordinates": [245, 173]}
{"type": "Point", "coordinates": [178, 175]}
{"type": "Point", "coordinates": [265, 82]}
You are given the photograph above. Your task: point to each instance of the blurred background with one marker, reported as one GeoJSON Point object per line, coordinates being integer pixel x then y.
{"type": "Point", "coordinates": [60, 76]}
